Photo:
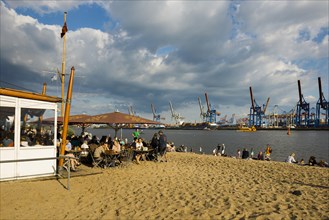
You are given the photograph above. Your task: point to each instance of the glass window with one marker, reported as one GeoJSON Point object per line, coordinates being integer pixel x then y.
{"type": "Point", "coordinates": [35, 131]}
{"type": "Point", "coordinates": [7, 126]}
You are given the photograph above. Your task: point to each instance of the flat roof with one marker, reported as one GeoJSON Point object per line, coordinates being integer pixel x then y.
{"type": "Point", "coordinates": [28, 95]}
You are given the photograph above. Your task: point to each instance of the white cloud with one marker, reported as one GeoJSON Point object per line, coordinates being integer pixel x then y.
{"type": "Point", "coordinates": [122, 66]}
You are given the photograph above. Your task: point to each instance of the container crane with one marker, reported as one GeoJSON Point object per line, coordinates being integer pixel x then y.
{"type": "Point", "coordinates": [155, 116]}
{"type": "Point", "coordinates": [321, 104]}
{"type": "Point", "coordinates": [130, 110]}
{"type": "Point", "coordinates": [222, 121]}
{"type": "Point", "coordinates": [256, 112]}
{"type": "Point", "coordinates": [211, 113]}
{"type": "Point", "coordinates": [232, 120]}
{"type": "Point", "coordinates": [302, 109]}
{"type": "Point", "coordinates": [176, 116]}
{"type": "Point", "coordinates": [203, 115]}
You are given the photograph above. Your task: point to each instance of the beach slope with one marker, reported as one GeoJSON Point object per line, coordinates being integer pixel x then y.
{"type": "Point", "coordinates": [188, 186]}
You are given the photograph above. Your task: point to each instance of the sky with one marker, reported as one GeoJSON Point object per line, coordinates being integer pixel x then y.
{"type": "Point", "coordinates": [138, 53]}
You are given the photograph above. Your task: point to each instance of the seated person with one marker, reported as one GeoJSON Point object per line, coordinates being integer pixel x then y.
{"type": "Point", "coordinates": [312, 161]}
{"type": "Point", "coordinates": [84, 148]}
{"type": "Point", "coordinates": [100, 150]}
{"type": "Point", "coordinates": [73, 161]}
{"type": "Point", "coordinates": [116, 146]}
{"type": "Point", "coordinates": [7, 142]}
{"type": "Point", "coordinates": [138, 145]}
{"type": "Point", "coordinates": [260, 155]}
{"type": "Point", "coordinates": [291, 158]}
{"type": "Point", "coordinates": [245, 154]}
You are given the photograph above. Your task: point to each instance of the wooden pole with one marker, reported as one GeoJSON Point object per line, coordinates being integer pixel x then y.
{"type": "Point", "coordinates": [63, 67]}
{"type": "Point", "coordinates": [66, 116]}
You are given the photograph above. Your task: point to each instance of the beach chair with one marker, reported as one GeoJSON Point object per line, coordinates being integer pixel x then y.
{"type": "Point", "coordinates": [96, 162]}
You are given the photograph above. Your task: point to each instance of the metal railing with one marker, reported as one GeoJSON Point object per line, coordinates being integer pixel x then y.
{"type": "Point", "coordinates": [68, 168]}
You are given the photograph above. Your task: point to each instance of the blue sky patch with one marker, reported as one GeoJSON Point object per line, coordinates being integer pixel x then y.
{"type": "Point", "coordinates": [85, 16]}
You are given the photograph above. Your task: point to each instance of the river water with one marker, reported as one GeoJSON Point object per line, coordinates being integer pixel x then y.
{"type": "Point", "coordinates": [303, 143]}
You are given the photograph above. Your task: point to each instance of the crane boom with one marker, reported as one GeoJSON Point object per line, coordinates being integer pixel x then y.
{"type": "Point", "coordinates": [153, 110]}
{"type": "Point", "coordinates": [252, 99]}
{"type": "Point", "coordinates": [201, 109]}
{"type": "Point", "coordinates": [207, 101]}
{"type": "Point", "coordinates": [268, 100]}
{"type": "Point", "coordinates": [171, 109]}
{"type": "Point", "coordinates": [300, 93]}
{"type": "Point", "coordinates": [320, 92]}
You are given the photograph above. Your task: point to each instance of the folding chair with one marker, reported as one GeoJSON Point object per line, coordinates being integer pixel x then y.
{"type": "Point", "coordinates": [95, 161]}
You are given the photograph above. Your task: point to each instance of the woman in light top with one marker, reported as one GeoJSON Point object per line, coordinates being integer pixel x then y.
{"type": "Point", "coordinates": [116, 146]}
{"type": "Point", "coordinates": [291, 158]}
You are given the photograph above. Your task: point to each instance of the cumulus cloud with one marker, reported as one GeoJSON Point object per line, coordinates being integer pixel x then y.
{"type": "Point", "coordinates": [174, 51]}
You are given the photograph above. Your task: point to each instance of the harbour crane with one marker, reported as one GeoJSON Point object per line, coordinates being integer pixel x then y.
{"type": "Point", "coordinates": [256, 112]}
{"type": "Point", "coordinates": [232, 120]}
{"type": "Point", "coordinates": [321, 104]}
{"type": "Point", "coordinates": [131, 110]}
{"type": "Point", "coordinates": [179, 120]}
{"type": "Point", "coordinates": [211, 113]}
{"type": "Point", "coordinates": [222, 121]}
{"type": "Point", "coordinates": [203, 114]}
{"type": "Point", "coordinates": [156, 117]}
{"type": "Point", "coordinates": [302, 109]}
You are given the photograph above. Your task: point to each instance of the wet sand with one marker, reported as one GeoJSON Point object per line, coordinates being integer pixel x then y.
{"type": "Point", "coordinates": [188, 186]}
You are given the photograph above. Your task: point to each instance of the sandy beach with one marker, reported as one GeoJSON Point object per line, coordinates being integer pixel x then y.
{"type": "Point", "coordinates": [188, 186]}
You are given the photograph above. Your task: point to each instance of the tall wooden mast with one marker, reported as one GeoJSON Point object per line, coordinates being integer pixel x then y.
{"type": "Point", "coordinates": [63, 66]}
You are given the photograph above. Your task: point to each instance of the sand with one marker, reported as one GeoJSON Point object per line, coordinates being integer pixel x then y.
{"type": "Point", "coordinates": [188, 186]}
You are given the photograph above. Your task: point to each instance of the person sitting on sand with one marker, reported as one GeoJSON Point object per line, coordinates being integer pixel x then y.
{"type": "Point", "coordinates": [322, 163]}
{"type": "Point", "coordinates": [301, 162]}
{"type": "Point", "coordinates": [245, 153]}
{"type": "Point", "coordinates": [238, 154]}
{"type": "Point", "coordinates": [260, 155]}
{"type": "Point", "coordinates": [223, 150]}
{"type": "Point", "coordinates": [312, 161]}
{"type": "Point", "coordinates": [252, 153]}
{"type": "Point", "coordinates": [291, 158]}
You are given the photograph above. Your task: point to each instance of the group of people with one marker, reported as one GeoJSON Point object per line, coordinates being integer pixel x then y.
{"type": "Point", "coordinates": [311, 162]}
{"type": "Point", "coordinates": [87, 144]}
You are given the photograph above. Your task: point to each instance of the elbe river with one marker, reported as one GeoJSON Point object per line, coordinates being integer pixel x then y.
{"type": "Point", "coordinates": [303, 143]}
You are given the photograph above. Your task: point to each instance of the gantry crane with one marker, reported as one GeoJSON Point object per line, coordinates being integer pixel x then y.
{"type": "Point", "coordinates": [302, 110]}
{"type": "Point", "coordinates": [232, 120]}
{"type": "Point", "coordinates": [223, 121]}
{"type": "Point", "coordinates": [256, 112]}
{"type": "Point", "coordinates": [321, 104]}
{"type": "Point", "coordinates": [156, 117]}
{"type": "Point", "coordinates": [203, 114]}
{"type": "Point", "coordinates": [176, 116]}
{"type": "Point", "coordinates": [211, 113]}
{"type": "Point", "coordinates": [131, 110]}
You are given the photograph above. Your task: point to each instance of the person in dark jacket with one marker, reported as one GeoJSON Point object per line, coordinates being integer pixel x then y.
{"type": "Point", "coordinates": [245, 154]}
{"type": "Point", "coordinates": [155, 145]}
{"type": "Point", "coordinates": [162, 145]}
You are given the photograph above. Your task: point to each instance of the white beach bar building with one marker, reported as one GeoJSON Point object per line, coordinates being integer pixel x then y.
{"type": "Point", "coordinates": [27, 146]}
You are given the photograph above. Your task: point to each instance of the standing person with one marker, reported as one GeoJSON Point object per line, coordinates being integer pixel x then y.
{"type": "Point", "coordinates": [155, 145]}
{"type": "Point", "coordinates": [268, 152]}
{"type": "Point", "coordinates": [136, 133]}
{"type": "Point", "coordinates": [162, 145]}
